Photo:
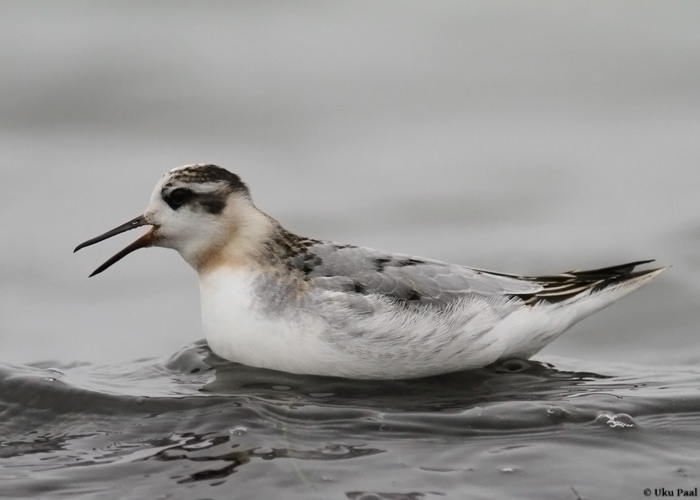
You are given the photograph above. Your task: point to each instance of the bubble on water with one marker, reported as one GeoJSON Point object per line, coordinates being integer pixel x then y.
{"type": "Point", "coordinates": [618, 421]}
{"type": "Point", "coordinates": [558, 414]}
{"type": "Point", "coordinates": [238, 430]}
{"type": "Point", "coordinates": [53, 374]}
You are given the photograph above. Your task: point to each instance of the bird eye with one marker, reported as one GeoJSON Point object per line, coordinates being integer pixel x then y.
{"type": "Point", "coordinates": [178, 197]}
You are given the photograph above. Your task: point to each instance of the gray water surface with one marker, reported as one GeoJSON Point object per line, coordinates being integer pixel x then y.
{"type": "Point", "coordinates": [194, 426]}
{"type": "Point", "coordinates": [529, 138]}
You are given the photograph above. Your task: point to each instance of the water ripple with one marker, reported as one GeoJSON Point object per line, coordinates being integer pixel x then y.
{"type": "Point", "coordinates": [195, 419]}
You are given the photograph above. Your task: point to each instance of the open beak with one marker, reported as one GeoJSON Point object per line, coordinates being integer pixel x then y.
{"type": "Point", "coordinates": [144, 241]}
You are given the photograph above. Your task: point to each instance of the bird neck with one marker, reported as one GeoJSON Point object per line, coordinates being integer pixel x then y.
{"type": "Point", "coordinates": [257, 242]}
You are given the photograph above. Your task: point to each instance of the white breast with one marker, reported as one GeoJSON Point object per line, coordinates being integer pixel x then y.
{"type": "Point", "coordinates": [239, 328]}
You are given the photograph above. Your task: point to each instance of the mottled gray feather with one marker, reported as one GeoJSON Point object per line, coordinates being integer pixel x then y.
{"type": "Point", "coordinates": [363, 270]}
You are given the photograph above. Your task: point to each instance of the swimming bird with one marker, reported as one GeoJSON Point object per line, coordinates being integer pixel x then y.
{"type": "Point", "coordinates": [273, 299]}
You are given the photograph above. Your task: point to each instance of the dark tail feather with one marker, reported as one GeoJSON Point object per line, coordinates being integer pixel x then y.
{"type": "Point", "coordinates": [564, 286]}
{"type": "Point", "coordinates": [612, 272]}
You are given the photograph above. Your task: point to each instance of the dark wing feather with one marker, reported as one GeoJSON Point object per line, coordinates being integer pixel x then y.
{"type": "Point", "coordinates": [564, 286]}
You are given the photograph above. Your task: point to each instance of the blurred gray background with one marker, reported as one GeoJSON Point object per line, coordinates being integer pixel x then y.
{"type": "Point", "coordinates": [524, 137]}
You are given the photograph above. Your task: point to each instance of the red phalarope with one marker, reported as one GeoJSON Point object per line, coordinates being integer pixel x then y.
{"type": "Point", "coordinates": [276, 300]}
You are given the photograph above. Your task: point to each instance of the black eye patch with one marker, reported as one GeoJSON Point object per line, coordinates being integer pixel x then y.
{"type": "Point", "coordinates": [178, 197]}
{"type": "Point", "coordinates": [213, 203]}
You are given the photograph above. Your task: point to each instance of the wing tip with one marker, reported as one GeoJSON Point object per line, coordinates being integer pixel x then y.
{"type": "Point", "coordinates": [569, 285]}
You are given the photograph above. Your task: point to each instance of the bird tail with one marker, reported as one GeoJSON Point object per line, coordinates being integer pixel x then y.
{"type": "Point", "coordinates": [575, 285]}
